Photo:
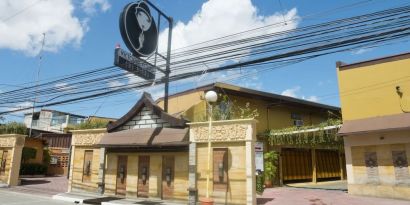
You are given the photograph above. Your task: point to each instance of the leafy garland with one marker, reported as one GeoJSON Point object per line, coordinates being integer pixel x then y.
{"type": "Point", "coordinates": [304, 136]}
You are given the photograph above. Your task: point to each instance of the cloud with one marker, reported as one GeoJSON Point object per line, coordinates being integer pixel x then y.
{"type": "Point", "coordinates": [294, 93]}
{"type": "Point", "coordinates": [291, 92]}
{"type": "Point", "coordinates": [219, 18]}
{"type": "Point", "coordinates": [63, 86]}
{"type": "Point", "coordinates": [90, 6]}
{"type": "Point", "coordinates": [115, 84]}
{"type": "Point", "coordinates": [23, 23]}
{"type": "Point", "coordinates": [361, 51]}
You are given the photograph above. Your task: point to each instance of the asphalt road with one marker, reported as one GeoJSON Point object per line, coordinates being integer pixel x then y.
{"type": "Point", "coordinates": [14, 198]}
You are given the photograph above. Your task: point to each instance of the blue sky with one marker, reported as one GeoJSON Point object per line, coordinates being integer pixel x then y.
{"type": "Point", "coordinates": [84, 38]}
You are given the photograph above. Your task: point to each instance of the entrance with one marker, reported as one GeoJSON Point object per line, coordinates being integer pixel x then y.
{"type": "Point", "coordinates": [168, 172]}
{"type": "Point", "coordinates": [143, 176]}
{"type": "Point", "coordinates": [121, 175]}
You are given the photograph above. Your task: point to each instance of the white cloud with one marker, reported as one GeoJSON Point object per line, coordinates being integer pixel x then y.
{"type": "Point", "coordinates": [23, 23]}
{"type": "Point", "coordinates": [63, 86]}
{"type": "Point", "coordinates": [115, 84]}
{"type": "Point", "coordinates": [361, 51]}
{"type": "Point", "coordinates": [90, 6]}
{"type": "Point", "coordinates": [219, 18]}
{"type": "Point", "coordinates": [294, 93]}
{"type": "Point", "coordinates": [291, 92]}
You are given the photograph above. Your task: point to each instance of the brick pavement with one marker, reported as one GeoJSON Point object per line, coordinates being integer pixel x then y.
{"type": "Point", "coordinates": [300, 196]}
{"type": "Point", "coordinates": [46, 186]}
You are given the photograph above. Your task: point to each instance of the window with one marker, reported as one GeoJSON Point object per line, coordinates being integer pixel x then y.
{"type": "Point", "coordinates": [220, 169]}
{"type": "Point", "coordinates": [297, 119]}
{"type": "Point", "coordinates": [87, 167]}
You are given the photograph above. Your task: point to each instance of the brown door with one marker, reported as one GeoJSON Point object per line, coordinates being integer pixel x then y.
{"type": "Point", "coordinates": [121, 175]}
{"type": "Point", "coordinates": [3, 162]}
{"type": "Point", "coordinates": [143, 176]}
{"type": "Point", "coordinates": [87, 166]}
{"type": "Point", "coordinates": [296, 164]}
{"type": "Point", "coordinates": [168, 172]}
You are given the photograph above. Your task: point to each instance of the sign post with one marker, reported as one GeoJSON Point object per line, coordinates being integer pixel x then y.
{"type": "Point", "coordinates": [140, 35]}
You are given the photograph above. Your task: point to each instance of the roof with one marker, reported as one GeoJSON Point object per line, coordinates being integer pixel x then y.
{"type": "Point", "coordinates": [251, 93]}
{"type": "Point", "coordinates": [385, 59]}
{"type": "Point", "coordinates": [376, 124]}
{"type": "Point", "coordinates": [146, 101]}
{"type": "Point", "coordinates": [65, 113]}
{"type": "Point", "coordinates": [143, 137]}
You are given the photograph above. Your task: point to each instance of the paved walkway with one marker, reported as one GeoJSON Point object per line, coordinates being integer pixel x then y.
{"type": "Point", "coordinates": [45, 186]}
{"type": "Point", "coordinates": [301, 196]}
{"type": "Point", "coordinates": [328, 185]}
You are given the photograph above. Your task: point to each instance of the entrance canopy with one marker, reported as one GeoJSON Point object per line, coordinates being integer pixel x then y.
{"type": "Point", "coordinates": [146, 137]}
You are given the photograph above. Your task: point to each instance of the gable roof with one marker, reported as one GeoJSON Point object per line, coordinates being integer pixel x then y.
{"type": "Point", "coordinates": [146, 101]}
{"type": "Point", "coordinates": [251, 93]}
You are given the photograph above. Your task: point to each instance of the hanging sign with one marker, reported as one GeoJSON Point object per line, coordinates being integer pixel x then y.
{"type": "Point", "coordinates": [132, 64]}
{"type": "Point", "coordinates": [138, 29]}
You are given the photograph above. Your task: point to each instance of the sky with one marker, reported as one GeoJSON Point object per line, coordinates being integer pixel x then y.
{"type": "Point", "coordinates": [80, 35]}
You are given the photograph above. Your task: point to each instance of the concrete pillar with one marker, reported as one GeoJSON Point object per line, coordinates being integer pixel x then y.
{"type": "Point", "coordinates": [71, 168]}
{"type": "Point", "coordinates": [250, 173]}
{"type": "Point", "coordinates": [341, 165]}
{"type": "Point", "coordinates": [15, 166]}
{"type": "Point", "coordinates": [280, 167]}
{"type": "Point", "coordinates": [101, 171]}
{"type": "Point", "coordinates": [314, 170]}
{"type": "Point", "coordinates": [193, 192]}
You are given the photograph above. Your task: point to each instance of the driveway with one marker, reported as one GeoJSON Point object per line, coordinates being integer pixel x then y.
{"type": "Point", "coordinates": [296, 196]}
{"type": "Point", "coordinates": [45, 186]}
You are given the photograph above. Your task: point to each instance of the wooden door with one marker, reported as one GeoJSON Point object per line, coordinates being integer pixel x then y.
{"type": "Point", "coordinates": [3, 162]}
{"type": "Point", "coordinates": [168, 173]}
{"type": "Point", "coordinates": [143, 176]}
{"type": "Point", "coordinates": [327, 162]}
{"type": "Point", "coordinates": [87, 166]}
{"type": "Point", "coordinates": [121, 175]}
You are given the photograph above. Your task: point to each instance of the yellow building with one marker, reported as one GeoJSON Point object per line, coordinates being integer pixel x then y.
{"type": "Point", "coordinates": [375, 100]}
{"type": "Point", "coordinates": [274, 112]}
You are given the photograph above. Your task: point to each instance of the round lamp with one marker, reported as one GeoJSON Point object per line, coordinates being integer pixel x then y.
{"type": "Point", "coordinates": [211, 96]}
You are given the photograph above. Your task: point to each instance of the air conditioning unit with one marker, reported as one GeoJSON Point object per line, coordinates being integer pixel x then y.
{"type": "Point", "coordinates": [298, 123]}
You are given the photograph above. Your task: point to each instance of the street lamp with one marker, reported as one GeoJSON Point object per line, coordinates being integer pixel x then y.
{"type": "Point", "coordinates": [210, 97]}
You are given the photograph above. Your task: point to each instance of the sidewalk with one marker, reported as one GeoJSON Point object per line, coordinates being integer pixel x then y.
{"type": "Point", "coordinates": [80, 198]}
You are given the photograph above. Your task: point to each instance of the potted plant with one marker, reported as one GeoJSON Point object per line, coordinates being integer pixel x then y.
{"type": "Point", "coordinates": [270, 166]}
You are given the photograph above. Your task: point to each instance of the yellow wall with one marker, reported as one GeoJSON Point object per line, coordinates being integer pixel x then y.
{"type": "Point", "coordinates": [370, 91]}
{"type": "Point", "coordinates": [38, 146]}
{"type": "Point", "coordinates": [236, 173]}
{"type": "Point", "coordinates": [4, 177]}
{"type": "Point", "coordinates": [77, 172]}
{"type": "Point", "coordinates": [274, 117]}
{"type": "Point", "coordinates": [177, 104]}
{"type": "Point", "coordinates": [180, 175]}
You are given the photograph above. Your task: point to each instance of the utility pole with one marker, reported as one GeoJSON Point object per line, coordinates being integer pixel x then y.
{"type": "Point", "coordinates": [40, 59]}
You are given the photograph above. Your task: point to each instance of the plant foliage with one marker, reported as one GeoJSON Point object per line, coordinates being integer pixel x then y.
{"type": "Point", "coordinates": [13, 128]}
{"type": "Point", "coordinates": [225, 109]}
{"type": "Point", "coordinates": [304, 136]}
{"type": "Point", "coordinates": [89, 124]}
{"type": "Point", "coordinates": [270, 164]}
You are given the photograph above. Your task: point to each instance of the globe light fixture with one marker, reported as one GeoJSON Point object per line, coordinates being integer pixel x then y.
{"type": "Point", "coordinates": [211, 96]}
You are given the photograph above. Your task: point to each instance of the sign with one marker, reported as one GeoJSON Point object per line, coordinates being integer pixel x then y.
{"type": "Point", "coordinates": [54, 160]}
{"type": "Point", "coordinates": [259, 156]}
{"type": "Point", "coordinates": [138, 29]}
{"type": "Point", "coordinates": [132, 64]}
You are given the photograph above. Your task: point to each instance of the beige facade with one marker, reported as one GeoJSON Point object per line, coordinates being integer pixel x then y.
{"type": "Point", "coordinates": [376, 126]}
{"type": "Point", "coordinates": [232, 165]}
{"type": "Point", "coordinates": [11, 146]}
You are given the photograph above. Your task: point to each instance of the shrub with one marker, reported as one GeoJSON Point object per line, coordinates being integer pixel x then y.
{"type": "Point", "coordinates": [33, 169]}
{"type": "Point", "coordinates": [13, 128]}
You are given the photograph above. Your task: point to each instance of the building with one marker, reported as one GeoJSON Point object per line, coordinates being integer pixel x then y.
{"type": "Point", "coordinates": [296, 162]}
{"type": "Point", "coordinates": [52, 120]}
{"type": "Point", "coordinates": [154, 154]}
{"type": "Point", "coordinates": [375, 100]}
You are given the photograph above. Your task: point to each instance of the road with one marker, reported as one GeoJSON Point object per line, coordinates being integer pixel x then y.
{"type": "Point", "coordinates": [15, 198]}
